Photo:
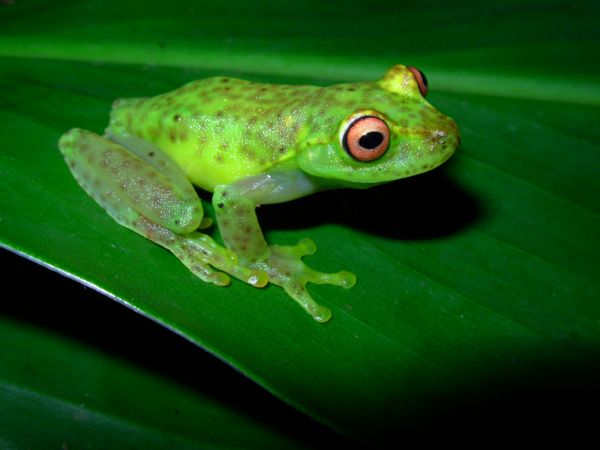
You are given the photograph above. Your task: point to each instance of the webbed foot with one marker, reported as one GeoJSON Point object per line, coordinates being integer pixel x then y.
{"type": "Point", "coordinates": [285, 268]}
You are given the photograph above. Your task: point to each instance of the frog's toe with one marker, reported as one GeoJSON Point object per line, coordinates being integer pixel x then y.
{"type": "Point", "coordinates": [343, 278]}
{"type": "Point", "coordinates": [254, 277]}
{"type": "Point", "coordinates": [305, 247]}
{"type": "Point", "coordinates": [208, 274]}
{"type": "Point", "coordinates": [298, 292]}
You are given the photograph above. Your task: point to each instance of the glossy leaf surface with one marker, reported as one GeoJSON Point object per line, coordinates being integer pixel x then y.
{"type": "Point", "coordinates": [474, 278]}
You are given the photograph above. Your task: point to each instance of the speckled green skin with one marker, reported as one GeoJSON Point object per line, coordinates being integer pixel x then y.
{"type": "Point", "coordinates": [250, 144]}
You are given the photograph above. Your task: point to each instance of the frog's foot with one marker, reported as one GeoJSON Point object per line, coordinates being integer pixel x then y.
{"type": "Point", "coordinates": [285, 268]}
{"type": "Point", "coordinates": [199, 253]}
{"type": "Point", "coordinates": [202, 256]}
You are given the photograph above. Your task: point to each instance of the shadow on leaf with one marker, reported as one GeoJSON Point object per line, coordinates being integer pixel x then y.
{"type": "Point", "coordinates": [427, 206]}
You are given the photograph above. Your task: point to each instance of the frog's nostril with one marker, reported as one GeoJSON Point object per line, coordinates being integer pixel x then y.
{"type": "Point", "coordinates": [449, 135]}
{"type": "Point", "coordinates": [439, 136]}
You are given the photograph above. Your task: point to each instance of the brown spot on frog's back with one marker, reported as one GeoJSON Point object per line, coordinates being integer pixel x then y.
{"type": "Point", "coordinates": [249, 153]}
{"type": "Point", "coordinates": [183, 133]}
{"type": "Point", "coordinates": [153, 132]}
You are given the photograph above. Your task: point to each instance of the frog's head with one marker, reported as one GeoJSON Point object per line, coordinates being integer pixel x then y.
{"type": "Point", "coordinates": [386, 131]}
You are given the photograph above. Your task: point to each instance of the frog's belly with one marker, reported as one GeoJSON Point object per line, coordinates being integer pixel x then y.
{"type": "Point", "coordinates": [211, 163]}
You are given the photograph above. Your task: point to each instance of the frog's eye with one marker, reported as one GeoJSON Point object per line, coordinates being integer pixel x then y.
{"type": "Point", "coordinates": [366, 138]}
{"type": "Point", "coordinates": [421, 80]}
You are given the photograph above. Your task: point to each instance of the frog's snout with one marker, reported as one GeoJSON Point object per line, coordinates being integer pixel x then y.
{"type": "Point", "coordinates": [454, 132]}
{"type": "Point", "coordinates": [446, 138]}
{"type": "Point", "coordinates": [440, 137]}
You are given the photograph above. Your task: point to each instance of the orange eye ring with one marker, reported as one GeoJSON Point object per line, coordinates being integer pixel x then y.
{"type": "Point", "coordinates": [421, 80]}
{"type": "Point", "coordinates": [366, 138]}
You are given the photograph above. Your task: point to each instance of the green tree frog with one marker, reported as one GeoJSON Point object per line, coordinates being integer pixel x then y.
{"type": "Point", "coordinates": [252, 144]}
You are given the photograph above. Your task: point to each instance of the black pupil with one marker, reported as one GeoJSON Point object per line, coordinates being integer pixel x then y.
{"type": "Point", "coordinates": [424, 79]}
{"type": "Point", "coordinates": [370, 140]}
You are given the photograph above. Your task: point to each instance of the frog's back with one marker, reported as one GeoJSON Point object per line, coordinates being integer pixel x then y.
{"type": "Point", "coordinates": [220, 130]}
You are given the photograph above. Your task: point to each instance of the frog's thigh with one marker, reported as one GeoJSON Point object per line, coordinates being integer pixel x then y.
{"type": "Point", "coordinates": [152, 155]}
{"type": "Point", "coordinates": [121, 181]}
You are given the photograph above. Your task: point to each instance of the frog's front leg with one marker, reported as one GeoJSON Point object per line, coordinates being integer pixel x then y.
{"type": "Point", "coordinates": [235, 207]}
{"type": "Point", "coordinates": [144, 190]}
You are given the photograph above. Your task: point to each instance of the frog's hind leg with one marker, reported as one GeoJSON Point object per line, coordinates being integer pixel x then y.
{"type": "Point", "coordinates": [162, 163]}
{"type": "Point", "coordinates": [145, 191]}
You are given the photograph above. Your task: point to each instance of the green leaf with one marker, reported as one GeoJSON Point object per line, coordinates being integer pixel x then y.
{"type": "Point", "coordinates": [77, 371]}
{"type": "Point", "coordinates": [475, 280]}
